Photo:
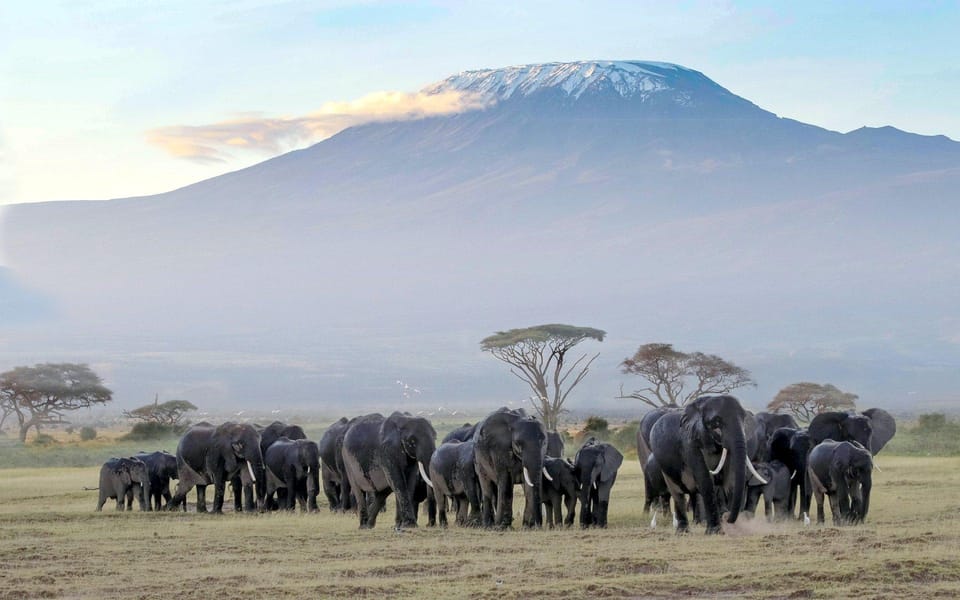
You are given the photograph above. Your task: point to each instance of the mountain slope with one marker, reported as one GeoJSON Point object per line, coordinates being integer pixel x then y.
{"type": "Point", "coordinates": [641, 198]}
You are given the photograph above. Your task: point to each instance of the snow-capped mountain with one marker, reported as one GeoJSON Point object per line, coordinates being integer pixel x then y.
{"type": "Point", "coordinates": [643, 84]}
{"type": "Point", "coordinates": [640, 198]}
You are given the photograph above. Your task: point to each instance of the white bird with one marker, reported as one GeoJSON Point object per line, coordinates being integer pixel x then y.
{"type": "Point", "coordinates": [239, 413]}
{"type": "Point", "coordinates": [806, 519]}
{"type": "Point", "coordinates": [676, 523]}
{"type": "Point", "coordinates": [454, 413]}
{"type": "Point", "coordinates": [653, 521]}
{"type": "Point", "coordinates": [275, 411]}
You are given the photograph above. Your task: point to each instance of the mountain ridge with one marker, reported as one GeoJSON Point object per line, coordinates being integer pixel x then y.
{"type": "Point", "coordinates": [390, 249]}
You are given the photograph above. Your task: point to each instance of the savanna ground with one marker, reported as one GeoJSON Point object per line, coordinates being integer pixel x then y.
{"type": "Point", "coordinates": [53, 545]}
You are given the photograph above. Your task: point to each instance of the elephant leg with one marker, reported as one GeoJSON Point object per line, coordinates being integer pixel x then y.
{"type": "Point", "coordinates": [363, 508]}
{"type": "Point", "coordinates": [442, 510]}
{"type": "Point", "coordinates": [571, 502]}
{"type": "Point", "coordinates": [487, 491]}
{"type": "Point", "coordinates": [603, 495]}
{"type": "Point", "coordinates": [679, 505]}
{"type": "Point", "coordinates": [504, 513]}
{"type": "Point", "coordinates": [102, 500]}
{"type": "Point", "coordinates": [768, 507]}
{"type": "Point", "coordinates": [377, 501]}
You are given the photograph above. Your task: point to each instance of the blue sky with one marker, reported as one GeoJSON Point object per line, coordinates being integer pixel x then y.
{"type": "Point", "coordinates": [83, 83]}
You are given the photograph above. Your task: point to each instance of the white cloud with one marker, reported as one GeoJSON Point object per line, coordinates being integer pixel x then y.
{"type": "Point", "coordinates": [216, 142]}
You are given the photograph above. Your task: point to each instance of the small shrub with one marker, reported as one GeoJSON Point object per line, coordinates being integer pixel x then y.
{"type": "Point", "coordinates": [44, 439]}
{"type": "Point", "coordinates": [88, 433]}
{"type": "Point", "coordinates": [151, 431]}
{"type": "Point", "coordinates": [625, 438]}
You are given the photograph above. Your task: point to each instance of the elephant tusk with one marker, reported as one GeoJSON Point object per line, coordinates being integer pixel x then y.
{"type": "Point", "coordinates": [754, 472]}
{"type": "Point", "coordinates": [547, 475]}
{"type": "Point", "coordinates": [423, 473]}
{"type": "Point", "coordinates": [250, 468]}
{"type": "Point", "coordinates": [594, 485]}
{"type": "Point", "coordinates": [793, 475]}
{"type": "Point", "coordinates": [879, 470]}
{"type": "Point", "coordinates": [723, 459]}
{"type": "Point", "coordinates": [526, 477]}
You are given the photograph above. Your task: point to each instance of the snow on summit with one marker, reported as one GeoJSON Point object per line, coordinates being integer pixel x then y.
{"type": "Point", "coordinates": [629, 79]}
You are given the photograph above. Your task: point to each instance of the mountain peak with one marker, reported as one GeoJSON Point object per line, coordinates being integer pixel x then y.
{"type": "Point", "coordinates": [628, 79]}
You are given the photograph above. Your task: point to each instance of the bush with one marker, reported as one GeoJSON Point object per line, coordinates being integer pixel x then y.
{"type": "Point", "coordinates": [44, 439]}
{"type": "Point", "coordinates": [151, 431]}
{"type": "Point", "coordinates": [625, 438]}
{"type": "Point", "coordinates": [88, 433]}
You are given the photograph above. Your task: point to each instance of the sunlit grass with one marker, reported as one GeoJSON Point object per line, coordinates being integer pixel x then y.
{"type": "Point", "coordinates": [53, 544]}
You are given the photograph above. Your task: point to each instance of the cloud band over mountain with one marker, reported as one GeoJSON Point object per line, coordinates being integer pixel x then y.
{"type": "Point", "coordinates": [215, 142]}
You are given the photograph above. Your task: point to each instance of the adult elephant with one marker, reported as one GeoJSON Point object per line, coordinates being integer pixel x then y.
{"type": "Point", "coordinates": [208, 455]}
{"type": "Point", "coordinates": [560, 490]}
{"type": "Point", "coordinates": [460, 434]}
{"type": "Point", "coordinates": [596, 465]}
{"type": "Point", "coordinates": [294, 466]}
{"type": "Point", "coordinates": [791, 447]}
{"type": "Point", "coordinates": [843, 471]}
{"type": "Point", "coordinates": [161, 468]}
{"type": "Point", "coordinates": [123, 478]}
{"type": "Point", "coordinates": [656, 492]}
{"type": "Point", "coordinates": [653, 483]}
{"type": "Point", "coordinates": [387, 455]}
{"type": "Point", "coordinates": [884, 428]}
{"type": "Point", "coordinates": [839, 427]}
{"type": "Point", "coordinates": [454, 479]}
{"type": "Point", "coordinates": [336, 486]}
{"type": "Point", "coordinates": [766, 424]}
{"type": "Point", "coordinates": [706, 440]}
{"type": "Point", "coordinates": [510, 447]}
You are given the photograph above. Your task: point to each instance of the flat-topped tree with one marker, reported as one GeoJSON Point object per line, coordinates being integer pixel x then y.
{"type": "Point", "coordinates": [538, 357]}
{"type": "Point", "coordinates": [169, 414]}
{"type": "Point", "coordinates": [805, 400]}
{"type": "Point", "coordinates": [675, 378]}
{"type": "Point", "coordinates": [42, 394]}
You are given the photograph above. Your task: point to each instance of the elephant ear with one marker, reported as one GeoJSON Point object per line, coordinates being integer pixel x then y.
{"type": "Point", "coordinates": [612, 459]}
{"type": "Point", "coordinates": [691, 412]}
{"type": "Point", "coordinates": [884, 428]}
{"type": "Point", "coordinates": [124, 475]}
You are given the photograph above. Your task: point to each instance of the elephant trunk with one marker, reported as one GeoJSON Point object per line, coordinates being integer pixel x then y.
{"type": "Point", "coordinates": [533, 480]}
{"type": "Point", "coordinates": [738, 465]}
{"type": "Point", "coordinates": [865, 486]}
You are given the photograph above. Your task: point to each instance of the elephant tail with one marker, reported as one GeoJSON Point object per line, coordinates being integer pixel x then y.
{"type": "Point", "coordinates": [90, 489]}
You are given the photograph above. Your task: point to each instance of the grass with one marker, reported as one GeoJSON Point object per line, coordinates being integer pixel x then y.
{"type": "Point", "coordinates": [53, 544]}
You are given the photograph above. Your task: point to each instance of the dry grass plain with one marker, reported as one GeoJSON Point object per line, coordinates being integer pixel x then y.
{"type": "Point", "coordinates": [53, 545]}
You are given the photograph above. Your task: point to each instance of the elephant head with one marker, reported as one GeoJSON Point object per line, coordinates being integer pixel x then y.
{"type": "Point", "coordinates": [414, 436]}
{"type": "Point", "coordinates": [715, 426]}
{"type": "Point", "coordinates": [841, 426]}
{"type": "Point", "coordinates": [238, 446]}
{"type": "Point", "coordinates": [528, 440]}
{"type": "Point", "coordinates": [308, 466]}
{"type": "Point", "coordinates": [852, 471]}
{"type": "Point", "coordinates": [596, 463]}
{"type": "Point", "coordinates": [139, 473]}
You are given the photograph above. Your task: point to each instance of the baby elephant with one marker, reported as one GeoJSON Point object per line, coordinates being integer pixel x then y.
{"type": "Point", "coordinates": [776, 492]}
{"type": "Point", "coordinates": [595, 466]}
{"type": "Point", "coordinates": [843, 471]}
{"type": "Point", "coordinates": [121, 478]}
{"type": "Point", "coordinates": [560, 488]}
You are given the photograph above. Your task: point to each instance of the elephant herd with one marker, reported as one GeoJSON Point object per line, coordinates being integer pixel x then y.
{"type": "Point", "coordinates": [714, 457]}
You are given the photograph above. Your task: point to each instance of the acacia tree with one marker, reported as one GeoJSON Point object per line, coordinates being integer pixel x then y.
{"type": "Point", "coordinates": [675, 378]}
{"type": "Point", "coordinates": [43, 394]}
{"type": "Point", "coordinates": [538, 357]}
{"type": "Point", "coordinates": [169, 414]}
{"type": "Point", "coordinates": [806, 400]}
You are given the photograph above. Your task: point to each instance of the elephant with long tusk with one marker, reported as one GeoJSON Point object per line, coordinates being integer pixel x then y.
{"type": "Point", "coordinates": [389, 455]}
{"type": "Point", "coordinates": [706, 441]}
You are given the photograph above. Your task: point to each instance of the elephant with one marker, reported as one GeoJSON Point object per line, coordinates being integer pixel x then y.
{"type": "Point", "coordinates": [509, 447]}
{"type": "Point", "coordinates": [776, 492]}
{"type": "Point", "coordinates": [843, 471]}
{"type": "Point", "coordinates": [692, 449]}
{"type": "Point", "coordinates": [595, 466]}
{"type": "Point", "coordinates": [122, 478]}
{"type": "Point", "coordinates": [336, 486]}
{"type": "Point", "coordinates": [791, 447]}
{"type": "Point", "coordinates": [387, 455]}
{"type": "Point", "coordinates": [460, 434]}
{"type": "Point", "coordinates": [161, 468]}
{"type": "Point", "coordinates": [767, 423]}
{"type": "Point", "coordinates": [841, 426]}
{"type": "Point", "coordinates": [294, 465]}
{"type": "Point", "coordinates": [559, 490]}
{"type": "Point", "coordinates": [214, 455]}
{"type": "Point", "coordinates": [884, 428]}
{"type": "Point", "coordinates": [454, 478]}
{"type": "Point", "coordinates": [268, 435]}
{"type": "Point", "coordinates": [652, 477]}
{"type": "Point", "coordinates": [554, 444]}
